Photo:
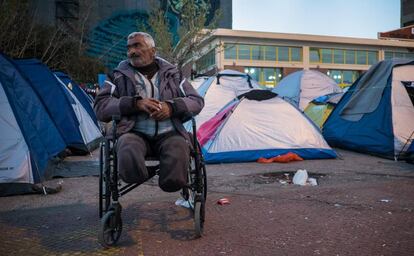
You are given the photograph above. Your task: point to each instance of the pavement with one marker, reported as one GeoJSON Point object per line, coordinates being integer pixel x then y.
{"type": "Point", "coordinates": [363, 205]}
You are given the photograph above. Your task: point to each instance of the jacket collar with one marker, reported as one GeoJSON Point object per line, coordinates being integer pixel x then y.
{"type": "Point", "coordinates": [166, 71]}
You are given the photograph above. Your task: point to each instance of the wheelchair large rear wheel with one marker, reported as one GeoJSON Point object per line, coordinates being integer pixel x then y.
{"type": "Point", "coordinates": [110, 229]}
{"type": "Point", "coordinates": [199, 213]}
{"type": "Point", "coordinates": [191, 192]}
{"type": "Point", "coordinates": [105, 163]}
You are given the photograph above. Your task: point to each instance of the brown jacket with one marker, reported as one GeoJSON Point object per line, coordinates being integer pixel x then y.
{"type": "Point", "coordinates": [118, 97]}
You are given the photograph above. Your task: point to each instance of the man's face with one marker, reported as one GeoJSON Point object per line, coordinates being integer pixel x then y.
{"type": "Point", "coordinates": [139, 53]}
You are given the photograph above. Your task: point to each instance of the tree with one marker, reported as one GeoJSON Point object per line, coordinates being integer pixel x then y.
{"type": "Point", "coordinates": [192, 31]}
{"type": "Point", "coordinates": [55, 46]}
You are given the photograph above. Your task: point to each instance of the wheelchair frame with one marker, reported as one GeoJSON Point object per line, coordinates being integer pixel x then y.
{"type": "Point", "coordinates": [110, 189]}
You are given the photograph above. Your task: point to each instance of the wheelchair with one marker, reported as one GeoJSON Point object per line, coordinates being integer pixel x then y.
{"type": "Point", "coordinates": [111, 188]}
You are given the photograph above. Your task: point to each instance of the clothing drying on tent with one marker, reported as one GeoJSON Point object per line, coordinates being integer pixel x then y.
{"type": "Point", "coordinates": [218, 90]}
{"type": "Point", "coordinates": [320, 108]}
{"type": "Point", "coordinates": [260, 124]}
{"type": "Point", "coordinates": [301, 87]}
{"type": "Point", "coordinates": [376, 115]}
{"type": "Point", "coordinates": [74, 123]}
{"type": "Point", "coordinates": [80, 94]}
{"type": "Point", "coordinates": [29, 138]}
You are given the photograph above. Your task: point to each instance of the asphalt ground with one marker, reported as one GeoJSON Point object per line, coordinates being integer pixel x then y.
{"type": "Point", "coordinates": [363, 205]}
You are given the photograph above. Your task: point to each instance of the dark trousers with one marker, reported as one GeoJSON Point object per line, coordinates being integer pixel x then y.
{"type": "Point", "coordinates": [172, 150]}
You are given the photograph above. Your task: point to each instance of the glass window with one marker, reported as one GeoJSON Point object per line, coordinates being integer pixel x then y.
{"type": "Point", "coordinates": [348, 77]}
{"type": "Point", "coordinates": [336, 75]}
{"type": "Point", "coordinates": [230, 51]}
{"type": "Point", "coordinates": [350, 57]}
{"type": "Point", "coordinates": [296, 54]}
{"type": "Point", "coordinates": [326, 55]}
{"type": "Point", "coordinates": [244, 52]}
{"type": "Point", "coordinates": [372, 57]}
{"type": "Point", "coordinates": [339, 56]}
{"type": "Point", "coordinates": [283, 54]}
{"type": "Point", "coordinates": [314, 55]}
{"type": "Point", "coordinates": [270, 52]}
{"type": "Point", "coordinates": [362, 57]}
{"type": "Point", "coordinates": [253, 72]}
{"type": "Point", "coordinates": [409, 55]}
{"type": "Point", "coordinates": [279, 75]}
{"type": "Point", "coordinates": [269, 77]}
{"type": "Point", "coordinates": [399, 55]}
{"type": "Point", "coordinates": [343, 77]}
{"type": "Point", "coordinates": [388, 55]}
{"type": "Point", "coordinates": [256, 53]}
{"type": "Point", "coordinates": [206, 61]}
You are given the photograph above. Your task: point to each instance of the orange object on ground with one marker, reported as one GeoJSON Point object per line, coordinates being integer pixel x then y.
{"type": "Point", "coordinates": [286, 158]}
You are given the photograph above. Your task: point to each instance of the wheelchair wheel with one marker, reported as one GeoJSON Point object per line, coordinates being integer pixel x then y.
{"type": "Point", "coordinates": [190, 193]}
{"type": "Point", "coordinates": [199, 213]}
{"type": "Point", "coordinates": [104, 178]}
{"type": "Point", "coordinates": [110, 230]}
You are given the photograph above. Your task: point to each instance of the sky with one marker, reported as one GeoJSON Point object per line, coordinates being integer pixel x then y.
{"type": "Point", "coordinates": [349, 18]}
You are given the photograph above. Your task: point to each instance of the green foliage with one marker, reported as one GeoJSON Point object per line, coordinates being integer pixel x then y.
{"type": "Point", "coordinates": [192, 31]}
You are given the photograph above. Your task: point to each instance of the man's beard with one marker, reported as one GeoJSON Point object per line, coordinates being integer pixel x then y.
{"type": "Point", "coordinates": [136, 61]}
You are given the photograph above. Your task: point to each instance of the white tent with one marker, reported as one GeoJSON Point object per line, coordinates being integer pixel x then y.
{"type": "Point", "coordinates": [301, 87]}
{"type": "Point", "coordinates": [220, 89]}
{"type": "Point", "coordinates": [196, 83]}
{"type": "Point", "coordinates": [260, 124]}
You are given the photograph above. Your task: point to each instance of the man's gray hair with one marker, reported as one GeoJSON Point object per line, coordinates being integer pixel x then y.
{"type": "Point", "coordinates": [147, 38]}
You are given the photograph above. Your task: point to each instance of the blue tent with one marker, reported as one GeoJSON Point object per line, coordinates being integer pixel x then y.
{"type": "Point", "coordinates": [75, 125]}
{"type": "Point", "coordinates": [29, 137]}
{"type": "Point", "coordinates": [80, 94]}
{"type": "Point", "coordinates": [376, 115]}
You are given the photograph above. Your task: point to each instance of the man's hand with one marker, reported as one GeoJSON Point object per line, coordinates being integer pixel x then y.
{"type": "Point", "coordinates": [164, 113]}
{"type": "Point", "coordinates": [149, 105]}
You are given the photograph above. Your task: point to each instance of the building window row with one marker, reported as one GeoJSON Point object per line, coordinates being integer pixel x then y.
{"type": "Point", "coordinates": [342, 56]}
{"type": "Point", "coordinates": [260, 52]}
{"type": "Point", "coordinates": [206, 60]}
{"type": "Point", "coordinates": [343, 77]}
{"type": "Point", "coordinates": [401, 55]}
{"type": "Point", "coordinates": [268, 77]}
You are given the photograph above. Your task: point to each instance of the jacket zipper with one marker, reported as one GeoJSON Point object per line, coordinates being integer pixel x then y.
{"type": "Point", "coordinates": [152, 96]}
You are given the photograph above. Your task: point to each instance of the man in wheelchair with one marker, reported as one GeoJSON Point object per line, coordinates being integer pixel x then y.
{"type": "Point", "coordinates": [153, 101]}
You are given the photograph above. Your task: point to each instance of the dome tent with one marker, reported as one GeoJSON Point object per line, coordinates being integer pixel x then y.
{"type": "Point", "coordinates": [80, 94]}
{"type": "Point", "coordinates": [29, 138]}
{"type": "Point", "coordinates": [260, 124]}
{"type": "Point", "coordinates": [301, 87]}
{"type": "Point", "coordinates": [75, 125]}
{"type": "Point", "coordinates": [376, 115]}
{"type": "Point", "coordinates": [218, 90]}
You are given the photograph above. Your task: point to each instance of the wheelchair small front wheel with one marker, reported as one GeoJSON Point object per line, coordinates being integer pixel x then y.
{"type": "Point", "coordinates": [199, 218]}
{"type": "Point", "coordinates": [110, 230]}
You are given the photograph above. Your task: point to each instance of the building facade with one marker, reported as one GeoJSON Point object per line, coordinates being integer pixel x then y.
{"type": "Point", "coordinates": [107, 23]}
{"type": "Point", "coordinates": [268, 57]}
{"type": "Point", "coordinates": [407, 13]}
